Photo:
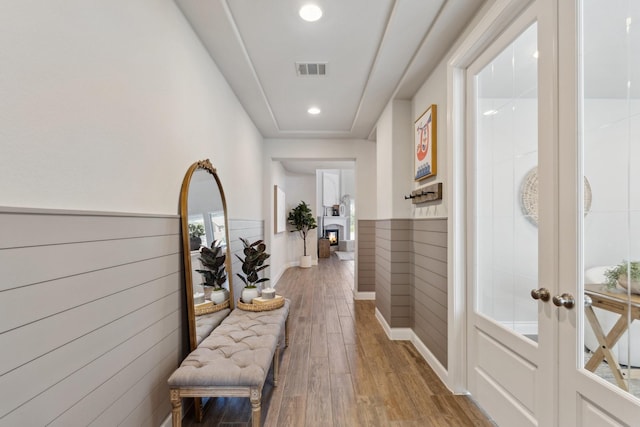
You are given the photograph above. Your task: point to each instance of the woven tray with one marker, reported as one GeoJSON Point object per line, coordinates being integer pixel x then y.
{"type": "Point", "coordinates": [277, 303]}
{"type": "Point", "coordinates": [209, 307]}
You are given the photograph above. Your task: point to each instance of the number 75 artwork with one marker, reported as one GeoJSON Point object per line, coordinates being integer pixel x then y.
{"type": "Point", "coordinates": [425, 155]}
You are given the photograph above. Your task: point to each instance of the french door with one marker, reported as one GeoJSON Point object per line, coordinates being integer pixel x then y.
{"type": "Point", "coordinates": [509, 334]}
{"type": "Point", "coordinates": [552, 210]}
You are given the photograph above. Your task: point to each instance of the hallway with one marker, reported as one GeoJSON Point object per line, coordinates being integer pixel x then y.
{"type": "Point", "coordinates": [340, 369]}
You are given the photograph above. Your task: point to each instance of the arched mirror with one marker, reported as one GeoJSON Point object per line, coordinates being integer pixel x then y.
{"type": "Point", "coordinates": [207, 260]}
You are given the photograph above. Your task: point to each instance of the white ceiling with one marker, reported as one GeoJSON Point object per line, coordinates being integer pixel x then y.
{"type": "Point", "coordinates": [375, 50]}
{"type": "Point", "coordinates": [309, 166]}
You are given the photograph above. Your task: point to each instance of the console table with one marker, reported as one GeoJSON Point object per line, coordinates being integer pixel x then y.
{"type": "Point", "coordinates": [616, 302]}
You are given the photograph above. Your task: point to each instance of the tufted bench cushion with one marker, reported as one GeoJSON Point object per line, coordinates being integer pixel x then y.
{"type": "Point", "coordinates": [237, 352]}
{"type": "Point", "coordinates": [206, 323]}
{"type": "Point", "coordinates": [233, 360]}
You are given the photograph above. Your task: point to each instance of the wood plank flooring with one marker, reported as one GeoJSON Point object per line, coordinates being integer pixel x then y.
{"type": "Point", "coordinates": [340, 369]}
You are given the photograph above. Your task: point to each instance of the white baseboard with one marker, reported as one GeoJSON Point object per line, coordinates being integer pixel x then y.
{"type": "Point", "coordinates": [297, 263]}
{"type": "Point", "coordinates": [395, 334]}
{"type": "Point", "coordinates": [407, 334]}
{"type": "Point", "coordinates": [434, 363]}
{"type": "Point", "coordinates": [369, 296]}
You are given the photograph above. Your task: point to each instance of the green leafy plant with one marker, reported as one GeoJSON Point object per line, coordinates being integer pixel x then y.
{"type": "Point", "coordinates": [303, 220]}
{"type": "Point", "coordinates": [212, 260]}
{"type": "Point", "coordinates": [254, 257]}
{"type": "Point", "coordinates": [196, 230]}
{"type": "Point", "coordinates": [622, 269]}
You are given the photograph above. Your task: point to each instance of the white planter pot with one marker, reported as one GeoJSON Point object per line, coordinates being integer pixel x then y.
{"type": "Point", "coordinates": [248, 294]}
{"type": "Point", "coordinates": [305, 261]}
{"type": "Point", "coordinates": [219, 296]}
{"type": "Point", "coordinates": [624, 283]}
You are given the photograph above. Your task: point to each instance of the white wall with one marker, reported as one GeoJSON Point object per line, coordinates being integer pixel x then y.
{"type": "Point", "coordinates": [360, 150]}
{"type": "Point", "coordinates": [106, 104]}
{"type": "Point", "coordinates": [348, 182]}
{"type": "Point", "coordinates": [384, 166]}
{"type": "Point", "coordinates": [402, 160]}
{"type": "Point", "coordinates": [612, 156]}
{"type": "Point", "coordinates": [394, 160]}
{"type": "Point", "coordinates": [434, 91]}
{"type": "Point", "coordinates": [277, 245]}
{"type": "Point", "coordinates": [301, 187]}
{"type": "Point", "coordinates": [363, 152]}
{"type": "Point", "coordinates": [507, 265]}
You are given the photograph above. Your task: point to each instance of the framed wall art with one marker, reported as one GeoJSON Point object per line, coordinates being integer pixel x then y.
{"type": "Point", "coordinates": [424, 145]}
{"type": "Point", "coordinates": [280, 214]}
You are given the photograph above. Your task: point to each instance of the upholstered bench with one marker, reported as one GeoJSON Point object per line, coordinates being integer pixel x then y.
{"type": "Point", "coordinates": [233, 361]}
{"type": "Point", "coordinates": [206, 323]}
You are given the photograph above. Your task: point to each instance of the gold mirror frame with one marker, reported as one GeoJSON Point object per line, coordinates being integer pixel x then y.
{"type": "Point", "coordinates": [184, 221]}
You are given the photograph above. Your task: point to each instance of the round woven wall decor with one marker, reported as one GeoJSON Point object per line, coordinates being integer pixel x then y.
{"type": "Point", "coordinates": [529, 196]}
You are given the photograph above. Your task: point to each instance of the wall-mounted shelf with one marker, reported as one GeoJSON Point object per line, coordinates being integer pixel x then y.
{"type": "Point", "coordinates": [428, 193]}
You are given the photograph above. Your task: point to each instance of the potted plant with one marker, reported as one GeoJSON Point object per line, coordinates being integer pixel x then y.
{"type": "Point", "coordinates": [254, 257]}
{"type": "Point", "coordinates": [618, 275]}
{"type": "Point", "coordinates": [195, 231]}
{"type": "Point", "coordinates": [302, 219]}
{"type": "Point", "coordinates": [213, 272]}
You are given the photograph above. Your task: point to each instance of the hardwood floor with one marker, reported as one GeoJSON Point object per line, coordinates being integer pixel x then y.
{"type": "Point", "coordinates": [340, 369]}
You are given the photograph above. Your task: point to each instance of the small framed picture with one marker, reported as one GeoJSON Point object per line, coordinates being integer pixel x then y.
{"type": "Point", "coordinates": [424, 145]}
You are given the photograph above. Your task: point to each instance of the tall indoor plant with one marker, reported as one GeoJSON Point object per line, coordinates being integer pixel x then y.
{"type": "Point", "coordinates": [303, 221]}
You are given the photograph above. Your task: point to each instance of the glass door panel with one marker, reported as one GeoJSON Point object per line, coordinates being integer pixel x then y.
{"type": "Point", "coordinates": [610, 136]}
{"type": "Point", "coordinates": [506, 193]}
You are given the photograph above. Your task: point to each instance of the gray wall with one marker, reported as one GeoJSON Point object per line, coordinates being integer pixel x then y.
{"type": "Point", "coordinates": [393, 279]}
{"type": "Point", "coordinates": [429, 285]}
{"type": "Point", "coordinates": [91, 321]}
{"type": "Point", "coordinates": [366, 264]}
{"type": "Point", "coordinates": [410, 271]}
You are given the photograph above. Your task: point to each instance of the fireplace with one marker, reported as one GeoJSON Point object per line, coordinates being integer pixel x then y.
{"type": "Point", "coordinates": [333, 234]}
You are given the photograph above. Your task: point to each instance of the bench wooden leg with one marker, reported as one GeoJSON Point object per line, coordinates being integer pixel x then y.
{"type": "Point", "coordinates": [276, 366]}
{"type": "Point", "coordinates": [176, 411]}
{"type": "Point", "coordinates": [256, 397]}
{"type": "Point", "coordinates": [286, 332]}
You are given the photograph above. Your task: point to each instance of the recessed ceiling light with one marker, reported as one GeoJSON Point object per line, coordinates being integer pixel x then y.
{"type": "Point", "coordinates": [313, 110]}
{"type": "Point", "coordinates": [490, 113]}
{"type": "Point", "coordinates": [310, 12]}
{"type": "Point", "coordinates": [536, 54]}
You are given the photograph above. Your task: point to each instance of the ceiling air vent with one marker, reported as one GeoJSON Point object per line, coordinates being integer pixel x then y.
{"type": "Point", "coordinates": [311, 69]}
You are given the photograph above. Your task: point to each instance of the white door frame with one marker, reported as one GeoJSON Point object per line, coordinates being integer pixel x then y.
{"type": "Point", "coordinates": [494, 21]}
{"type": "Point", "coordinates": [587, 399]}
{"type": "Point", "coordinates": [579, 394]}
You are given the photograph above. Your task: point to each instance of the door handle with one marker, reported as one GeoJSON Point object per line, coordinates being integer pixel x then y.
{"type": "Point", "coordinates": [541, 294]}
{"type": "Point", "coordinates": [565, 300]}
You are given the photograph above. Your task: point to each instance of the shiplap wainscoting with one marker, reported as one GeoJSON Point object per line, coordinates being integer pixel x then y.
{"type": "Point", "coordinates": [410, 271]}
{"type": "Point", "coordinates": [91, 317]}
{"type": "Point", "coordinates": [393, 256]}
{"type": "Point", "coordinates": [366, 264]}
{"type": "Point", "coordinates": [429, 285]}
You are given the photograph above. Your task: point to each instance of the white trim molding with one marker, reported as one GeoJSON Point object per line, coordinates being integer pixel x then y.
{"type": "Point", "coordinates": [407, 334]}
{"type": "Point", "coordinates": [399, 334]}
{"type": "Point", "coordinates": [488, 27]}
{"type": "Point", "coordinates": [368, 296]}
{"type": "Point", "coordinates": [431, 360]}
